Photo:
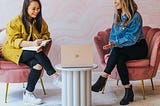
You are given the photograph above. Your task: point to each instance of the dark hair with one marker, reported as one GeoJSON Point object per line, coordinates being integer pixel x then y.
{"type": "Point", "coordinates": [25, 16]}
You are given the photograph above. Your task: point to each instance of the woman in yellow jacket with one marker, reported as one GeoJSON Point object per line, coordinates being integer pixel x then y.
{"type": "Point", "coordinates": [28, 29]}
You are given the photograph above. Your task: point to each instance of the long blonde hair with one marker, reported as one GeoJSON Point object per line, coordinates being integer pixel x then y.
{"type": "Point", "coordinates": [129, 7]}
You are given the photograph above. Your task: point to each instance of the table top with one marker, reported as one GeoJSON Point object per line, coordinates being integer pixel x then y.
{"type": "Point", "coordinates": [59, 67]}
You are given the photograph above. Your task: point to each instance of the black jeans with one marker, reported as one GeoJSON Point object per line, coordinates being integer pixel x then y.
{"type": "Point", "coordinates": [119, 56]}
{"type": "Point", "coordinates": [31, 58]}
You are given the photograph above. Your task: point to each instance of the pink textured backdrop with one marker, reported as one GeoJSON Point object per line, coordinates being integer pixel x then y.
{"type": "Point", "coordinates": [78, 21]}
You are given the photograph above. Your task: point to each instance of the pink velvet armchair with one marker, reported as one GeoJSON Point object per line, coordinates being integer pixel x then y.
{"type": "Point", "coordinates": [13, 73]}
{"type": "Point", "coordinates": [138, 69]}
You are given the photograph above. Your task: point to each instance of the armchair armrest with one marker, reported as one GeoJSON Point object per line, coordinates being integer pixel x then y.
{"type": "Point", "coordinates": [100, 40]}
{"type": "Point", "coordinates": [2, 29]}
{"type": "Point", "coordinates": [47, 47]}
{"type": "Point", "coordinates": [155, 53]}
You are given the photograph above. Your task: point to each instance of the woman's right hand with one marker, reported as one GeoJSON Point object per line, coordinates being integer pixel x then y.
{"type": "Point", "coordinates": [37, 42]}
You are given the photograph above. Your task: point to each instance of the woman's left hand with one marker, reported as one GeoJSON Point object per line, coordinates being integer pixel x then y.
{"type": "Point", "coordinates": [108, 46]}
{"type": "Point", "coordinates": [39, 50]}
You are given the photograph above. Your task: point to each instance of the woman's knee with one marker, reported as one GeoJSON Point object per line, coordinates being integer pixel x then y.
{"type": "Point", "coordinates": [37, 67]}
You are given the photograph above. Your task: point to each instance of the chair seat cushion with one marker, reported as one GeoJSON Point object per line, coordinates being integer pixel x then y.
{"type": "Point", "coordinates": [138, 63]}
{"type": "Point", "coordinates": [4, 64]}
{"type": "Point", "coordinates": [13, 73]}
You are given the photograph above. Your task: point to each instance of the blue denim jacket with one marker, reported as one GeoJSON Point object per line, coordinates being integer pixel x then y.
{"type": "Point", "coordinates": [129, 34]}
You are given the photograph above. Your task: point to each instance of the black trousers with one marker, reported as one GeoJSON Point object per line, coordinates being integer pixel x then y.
{"type": "Point", "coordinates": [119, 56]}
{"type": "Point", "coordinates": [31, 58]}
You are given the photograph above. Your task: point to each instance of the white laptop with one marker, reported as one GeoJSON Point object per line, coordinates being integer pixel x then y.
{"type": "Point", "coordinates": [77, 55]}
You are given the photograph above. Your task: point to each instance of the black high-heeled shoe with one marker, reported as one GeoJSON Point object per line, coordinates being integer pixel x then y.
{"type": "Point", "coordinates": [99, 85]}
{"type": "Point", "coordinates": [128, 97]}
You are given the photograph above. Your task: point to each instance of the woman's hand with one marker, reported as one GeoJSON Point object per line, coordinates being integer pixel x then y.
{"type": "Point", "coordinates": [108, 46]}
{"type": "Point", "coordinates": [37, 42]}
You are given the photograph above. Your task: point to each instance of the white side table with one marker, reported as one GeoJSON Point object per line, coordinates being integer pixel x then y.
{"type": "Point", "coordinates": [76, 85]}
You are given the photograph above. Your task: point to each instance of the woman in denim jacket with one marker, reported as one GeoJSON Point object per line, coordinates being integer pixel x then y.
{"type": "Point", "coordinates": [126, 42]}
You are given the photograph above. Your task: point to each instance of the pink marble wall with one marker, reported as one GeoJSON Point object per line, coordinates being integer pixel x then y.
{"type": "Point", "coordinates": [78, 21]}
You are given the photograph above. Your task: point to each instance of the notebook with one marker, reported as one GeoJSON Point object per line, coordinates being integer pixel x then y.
{"type": "Point", "coordinates": [36, 48]}
{"type": "Point", "coordinates": [77, 55]}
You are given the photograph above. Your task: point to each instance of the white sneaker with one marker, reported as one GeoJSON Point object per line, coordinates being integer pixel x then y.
{"type": "Point", "coordinates": [30, 98]}
{"type": "Point", "coordinates": [58, 81]}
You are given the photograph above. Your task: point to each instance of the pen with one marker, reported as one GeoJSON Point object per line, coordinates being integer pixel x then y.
{"type": "Point", "coordinates": [35, 36]}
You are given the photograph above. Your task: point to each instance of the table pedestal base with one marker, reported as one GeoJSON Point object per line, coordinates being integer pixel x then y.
{"type": "Point", "coordinates": [76, 88]}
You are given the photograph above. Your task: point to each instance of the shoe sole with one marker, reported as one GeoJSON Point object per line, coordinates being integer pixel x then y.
{"type": "Point", "coordinates": [31, 104]}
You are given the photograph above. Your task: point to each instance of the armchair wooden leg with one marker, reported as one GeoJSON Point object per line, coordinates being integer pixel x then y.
{"type": "Point", "coordinates": [42, 86]}
{"type": "Point", "coordinates": [104, 87]}
{"type": "Point", "coordinates": [143, 90]}
{"type": "Point", "coordinates": [117, 82]}
{"type": "Point", "coordinates": [6, 95]}
{"type": "Point", "coordinates": [152, 84]}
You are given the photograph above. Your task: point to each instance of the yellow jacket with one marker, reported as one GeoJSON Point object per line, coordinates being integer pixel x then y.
{"type": "Point", "coordinates": [16, 33]}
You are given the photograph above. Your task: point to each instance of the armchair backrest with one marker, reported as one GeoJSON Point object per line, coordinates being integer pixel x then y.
{"type": "Point", "coordinates": [100, 40]}
{"type": "Point", "coordinates": [47, 48]}
{"type": "Point", "coordinates": [152, 36]}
